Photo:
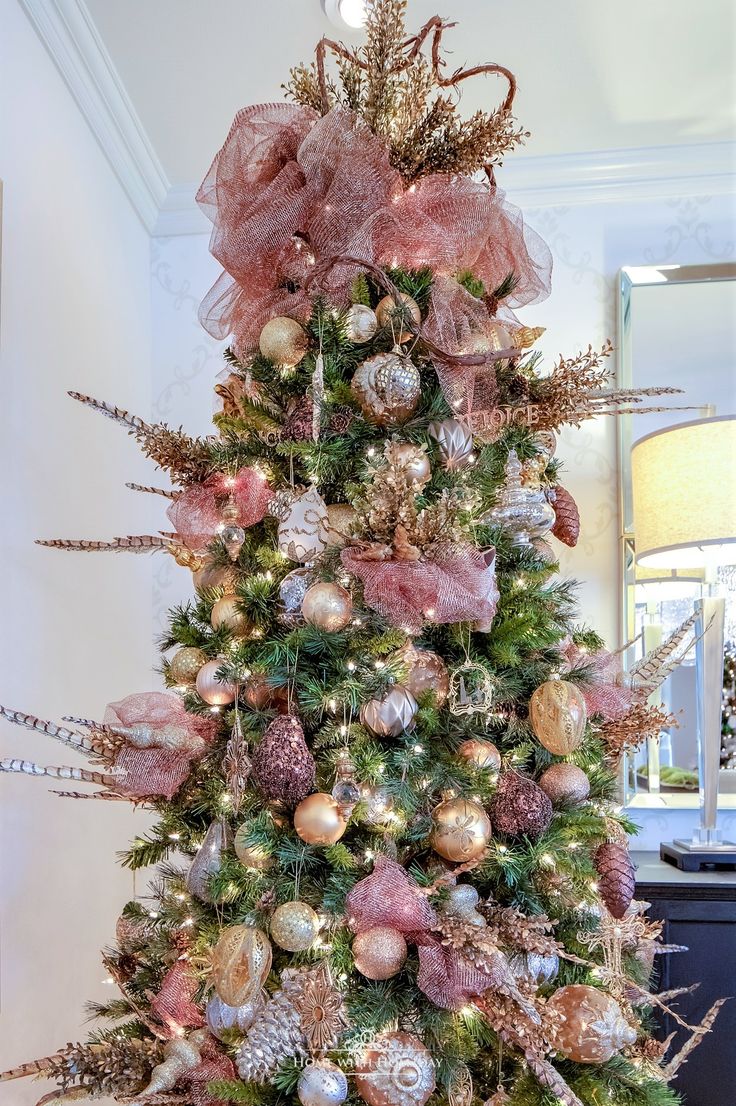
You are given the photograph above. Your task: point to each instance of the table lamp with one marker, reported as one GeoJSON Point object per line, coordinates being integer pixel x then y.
{"type": "Point", "coordinates": [684, 500]}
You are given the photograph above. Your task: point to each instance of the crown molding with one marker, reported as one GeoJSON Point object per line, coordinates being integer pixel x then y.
{"type": "Point", "coordinates": [66, 29]}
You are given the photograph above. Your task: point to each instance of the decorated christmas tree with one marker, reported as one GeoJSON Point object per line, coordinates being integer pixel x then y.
{"type": "Point", "coordinates": [391, 867]}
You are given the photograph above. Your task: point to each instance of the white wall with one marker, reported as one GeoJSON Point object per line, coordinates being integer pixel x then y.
{"type": "Point", "coordinates": [76, 629]}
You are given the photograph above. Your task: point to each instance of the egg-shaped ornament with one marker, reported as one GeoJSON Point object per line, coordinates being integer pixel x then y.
{"type": "Point", "coordinates": [318, 820]}
{"type": "Point", "coordinates": [558, 716]}
{"type": "Point", "coordinates": [292, 590]}
{"type": "Point", "coordinates": [241, 960]}
{"type": "Point", "coordinates": [294, 926]}
{"type": "Point", "coordinates": [380, 952]}
{"type": "Point", "coordinates": [185, 664]}
{"type": "Point", "coordinates": [327, 606]}
{"type": "Point", "coordinates": [427, 672]}
{"type": "Point", "coordinates": [226, 614]}
{"type": "Point", "coordinates": [387, 388]}
{"type": "Point", "coordinates": [391, 715]}
{"type": "Point", "coordinates": [480, 754]}
{"type": "Point", "coordinates": [303, 528]}
{"type": "Point", "coordinates": [283, 341]}
{"type": "Point", "coordinates": [455, 443]}
{"type": "Point", "coordinates": [215, 692]}
{"type": "Point", "coordinates": [395, 316]}
{"type": "Point", "coordinates": [461, 830]}
{"type": "Point", "coordinates": [226, 1022]}
{"type": "Point", "coordinates": [361, 324]}
{"type": "Point", "coordinates": [395, 1070]}
{"type": "Point", "coordinates": [588, 1024]}
{"type": "Point", "coordinates": [322, 1083]}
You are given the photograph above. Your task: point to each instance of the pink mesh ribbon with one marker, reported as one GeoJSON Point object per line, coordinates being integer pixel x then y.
{"type": "Point", "coordinates": [457, 585]}
{"type": "Point", "coordinates": [156, 771]}
{"type": "Point", "coordinates": [290, 189]}
{"type": "Point", "coordinates": [196, 513]}
{"type": "Point", "coordinates": [174, 1004]}
{"type": "Point", "coordinates": [446, 978]}
{"type": "Point", "coordinates": [214, 1067]}
{"type": "Point", "coordinates": [603, 694]}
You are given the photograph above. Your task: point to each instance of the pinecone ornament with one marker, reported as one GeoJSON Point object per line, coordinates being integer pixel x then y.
{"type": "Point", "coordinates": [567, 517]}
{"type": "Point", "coordinates": [520, 807]}
{"type": "Point", "coordinates": [616, 877]}
{"type": "Point", "coordinates": [276, 1035]}
{"type": "Point", "coordinates": [283, 766]}
{"type": "Point", "coordinates": [298, 423]}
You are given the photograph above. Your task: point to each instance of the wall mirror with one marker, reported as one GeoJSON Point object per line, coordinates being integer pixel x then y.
{"type": "Point", "coordinates": [677, 327]}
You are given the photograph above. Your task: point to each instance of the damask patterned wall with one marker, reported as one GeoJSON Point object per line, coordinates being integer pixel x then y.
{"type": "Point", "coordinates": [590, 243]}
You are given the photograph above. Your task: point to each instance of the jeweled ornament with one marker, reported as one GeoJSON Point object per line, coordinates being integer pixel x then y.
{"type": "Point", "coordinates": [391, 314]}
{"type": "Point", "coordinates": [327, 606]}
{"type": "Point", "coordinates": [558, 716]}
{"type": "Point", "coordinates": [251, 856]}
{"type": "Point", "coordinates": [303, 529]}
{"type": "Point", "coordinates": [226, 614]}
{"type": "Point", "coordinates": [454, 441]}
{"type": "Point", "coordinates": [232, 534]}
{"type": "Point", "coordinates": [283, 341]}
{"type": "Point", "coordinates": [345, 791]}
{"type": "Point", "coordinates": [208, 860]}
{"type": "Point", "coordinates": [565, 783]}
{"type": "Point", "coordinates": [185, 664]}
{"type": "Point", "coordinates": [589, 1026]}
{"type": "Point", "coordinates": [391, 715]}
{"type": "Point", "coordinates": [387, 388]}
{"type": "Point", "coordinates": [241, 960]}
{"type": "Point", "coordinates": [395, 1070]}
{"type": "Point", "coordinates": [292, 590]}
{"type": "Point", "coordinates": [215, 692]}
{"type": "Point", "coordinates": [225, 1022]}
{"type": "Point", "coordinates": [294, 926]}
{"type": "Point", "coordinates": [480, 754]}
{"type": "Point", "coordinates": [322, 1083]}
{"type": "Point", "coordinates": [379, 952]}
{"type": "Point", "coordinates": [461, 830]}
{"type": "Point", "coordinates": [361, 324]}
{"type": "Point", "coordinates": [318, 821]}
{"type": "Point", "coordinates": [427, 672]}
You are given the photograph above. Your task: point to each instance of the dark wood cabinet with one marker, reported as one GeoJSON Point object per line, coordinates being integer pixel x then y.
{"type": "Point", "coordinates": [698, 910]}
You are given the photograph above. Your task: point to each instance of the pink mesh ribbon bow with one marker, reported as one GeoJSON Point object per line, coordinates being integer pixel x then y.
{"type": "Point", "coordinates": [603, 693]}
{"type": "Point", "coordinates": [214, 1067]}
{"type": "Point", "coordinates": [174, 1004]}
{"type": "Point", "coordinates": [196, 513]}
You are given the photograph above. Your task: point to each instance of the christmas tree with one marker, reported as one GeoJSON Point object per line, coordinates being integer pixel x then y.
{"type": "Point", "coordinates": [391, 867]}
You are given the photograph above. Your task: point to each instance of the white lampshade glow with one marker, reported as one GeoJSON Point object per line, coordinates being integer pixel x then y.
{"type": "Point", "coordinates": [684, 495]}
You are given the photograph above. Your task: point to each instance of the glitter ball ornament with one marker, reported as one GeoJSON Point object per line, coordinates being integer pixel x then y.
{"type": "Point", "coordinates": [327, 606]}
{"type": "Point", "coordinates": [225, 1021]}
{"type": "Point", "coordinates": [322, 1083]}
{"type": "Point", "coordinates": [390, 716]}
{"type": "Point", "coordinates": [520, 808]}
{"type": "Point", "coordinates": [462, 900]}
{"type": "Point", "coordinates": [361, 324]}
{"type": "Point", "coordinates": [558, 716]}
{"type": "Point", "coordinates": [455, 443]}
{"type": "Point", "coordinates": [412, 461]}
{"type": "Point", "coordinates": [340, 520]}
{"type": "Point", "coordinates": [427, 672]}
{"type": "Point", "coordinates": [318, 821]}
{"type": "Point", "coordinates": [283, 766]}
{"type": "Point", "coordinates": [461, 830]}
{"type": "Point", "coordinates": [387, 387]}
{"type": "Point", "coordinates": [292, 590]}
{"type": "Point", "coordinates": [250, 856]}
{"type": "Point", "coordinates": [294, 926]}
{"type": "Point", "coordinates": [533, 969]}
{"type": "Point", "coordinates": [616, 876]}
{"type": "Point", "coordinates": [283, 341]}
{"type": "Point", "coordinates": [395, 1070]}
{"type": "Point", "coordinates": [392, 315]}
{"type": "Point", "coordinates": [208, 860]}
{"type": "Point", "coordinates": [379, 952]}
{"type": "Point", "coordinates": [565, 783]}
{"type": "Point", "coordinates": [481, 754]}
{"type": "Point", "coordinates": [212, 690]}
{"type": "Point", "coordinates": [185, 664]}
{"type": "Point", "coordinates": [226, 613]}
{"type": "Point", "coordinates": [241, 960]}
{"type": "Point", "coordinates": [303, 529]}
{"type": "Point", "coordinates": [589, 1027]}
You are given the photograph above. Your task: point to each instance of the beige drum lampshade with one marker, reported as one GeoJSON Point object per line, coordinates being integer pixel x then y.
{"type": "Point", "coordinates": [684, 495]}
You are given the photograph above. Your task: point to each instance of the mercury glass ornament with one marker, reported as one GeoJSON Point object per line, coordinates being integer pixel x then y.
{"type": "Point", "coordinates": [322, 1083]}
{"type": "Point", "coordinates": [318, 821]}
{"type": "Point", "coordinates": [303, 529]}
{"type": "Point", "coordinates": [361, 324]}
{"type": "Point", "coordinates": [387, 388]}
{"type": "Point", "coordinates": [380, 952]}
{"type": "Point", "coordinates": [225, 1021]}
{"type": "Point", "coordinates": [212, 690]}
{"type": "Point", "coordinates": [390, 314]}
{"type": "Point", "coordinates": [294, 926]}
{"type": "Point", "coordinates": [524, 512]}
{"type": "Point", "coordinates": [558, 716]}
{"type": "Point", "coordinates": [292, 590]}
{"type": "Point", "coordinates": [327, 606]}
{"type": "Point", "coordinates": [283, 341]}
{"type": "Point", "coordinates": [589, 1027]}
{"type": "Point", "coordinates": [395, 1070]}
{"type": "Point", "coordinates": [241, 960]}
{"type": "Point", "coordinates": [390, 716]}
{"type": "Point", "coordinates": [455, 442]}
{"type": "Point", "coordinates": [208, 860]}
{"type": "Point", "coordinates": [461, 830]}
{"type": "Point", "coordinates": [185, 664]}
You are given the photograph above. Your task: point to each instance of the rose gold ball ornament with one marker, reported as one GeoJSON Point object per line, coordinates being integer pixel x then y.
{"type": "Point", "coordinates": [226, 1022]}
{"type": "Point", "coordinates": [387, 387]}
{"type": "Point", "coordinates": [294, 926]}
{"type": "Point", "coordinates": [322, 1083]}
{"type": "Point", "coordinates": [461, 830]}
{"type": "Point", "coordinates": [481, 754]}
{"type": "Point", "coordinates": [283, 341]}
{"type": "Point", "coordinates": [390, 716]}
{"type": "Point", "coordinates": [241, 960]}
{"type": "Point", "coordinates": [226, 613]}
{"type": "Point", "coordinates": [589, 1025]}
{"type": "Point", "coordinates": [251, 856]}
{"type": "Point", "coordinates": [427, 672]}
{"type": "Point", "coordinates": [340, 520]}
{"type": "Point", "coordinates": [558, 716]}
{"type": "Point", "coordinates": [395, 1070]}
{"type": "Point", "coordinates": [327, 606]}
{"type": "Point", "coordinates": [212, 690]}
{"type": "Point", "coordinates": [318, 821]}
{"type": "Point", "coordinates": [392, 315]}
{"type": "Point", "coordinates": [185, 664]}
{"type": "Point", "coordinates": [411, 460]}
{"type": "Point", "coordinates": [565, 783]}
{"type": "Point", "coordinates": [361, 324]}
{"type": "Point", "coordinates": [455, 442]}
{"type": "Point", "coordinates": [379, 952]}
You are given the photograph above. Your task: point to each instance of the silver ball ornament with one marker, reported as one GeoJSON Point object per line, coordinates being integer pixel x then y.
{"type": "Point", "coordinates": [361, 323]}
{"type": "Point", "coordinates": [390, 716]}
{"type": "Point", "coordinates": [321, 1083]}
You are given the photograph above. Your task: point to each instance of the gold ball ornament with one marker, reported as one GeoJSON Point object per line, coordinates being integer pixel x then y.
{"type": "Point", "coordinates": [427, 672]}
{"type": "Point", "coordinates": [241, 960]}
{"type": "Point", "coordinates": [215, 576]}
{"type": "Point", "coordinates": [387, 388]}
{"type": "Point", "coordinates": [226, 613]}
{"type": "Point", "coordinates": [340, 520]}
{"type": "Point", "coordinates": [185, 664]}
{"type": "Point", "coordinates": [322, 1083]}
{"type": "Point", "coordinates": [395, 1070]}
{"type": "Point", "coordinates": [212, 690]}
{"type": "Point", "coordinates": [361, 324]}
{"type": "Point", "coordinates": [461, 830]}
{"type": "Point", "coordinates": [327, 606]}
{"type": "Point", "coordinates": [589, 1027]}
{"type": "Point", "coordinates": [390, 315]}
{"type": "Point", "coordinates": [251, 856]}
{"type": "Point", "coordinates": [318, 821]}
{"type": "Point", "coordinates": [412, 460]}
{"type": "Point", "coordinates": [558, 716]}
{"type": "Point", "coordinates": [565, 783]}
{"type": "Point", "coordinates": [380, 952]}
{"type": "Point", "coordinates": [481, 754]}
{"type": "Point", "coordinates": [390, 716]}
{"type": "Point", "coordinates": [294, 926]}
{"type": "Point", "coordinates": [283, 341]}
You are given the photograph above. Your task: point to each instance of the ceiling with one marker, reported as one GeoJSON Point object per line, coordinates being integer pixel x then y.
{"type": "Point", "coordinates": [593, 75]}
